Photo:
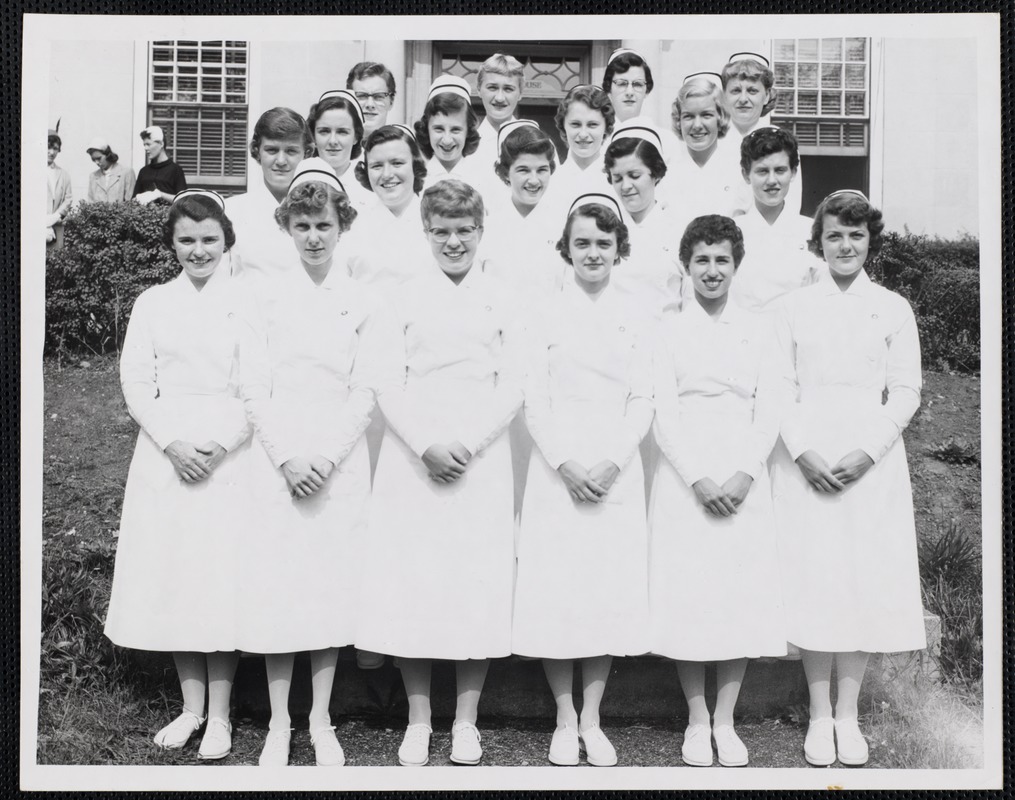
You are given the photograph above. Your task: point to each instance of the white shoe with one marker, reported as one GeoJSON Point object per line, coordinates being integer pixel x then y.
{"type": "Point", "coordinates": [275, 752]}
{"type": "Point", "coordinates": [598, 750]}
{"type": "Point", "coordinates": [178, 732]}
{"type": "Point", "coordinates": [564, 747]}
{"type": "Point", "coordinates": [217, 741]}
{"type": "Point", "coordinates": [732, 752]}
{"type": "Point", "coordinates": [327, 750]}
{"type": "Point", "coordinates": [415, 749]}
{"type": "Point", "coordinates": [850, 745]}
{"type": "Point", "coordinates": [696, 750]}
{"type": "Point", "coordinates": [465, 747]}
{"type": "Point", "coordinates": [819, 746]}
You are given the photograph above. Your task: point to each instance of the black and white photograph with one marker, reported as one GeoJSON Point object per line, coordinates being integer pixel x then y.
{"type": "Point", "coordinates": [546, 403]}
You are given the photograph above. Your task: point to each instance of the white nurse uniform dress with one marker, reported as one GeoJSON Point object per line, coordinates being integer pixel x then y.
{"type": "Point", "coordinates": [440, 560]}
{"type": "Point", "coordinates": [173, 588]}
{"type": "Point", "coordinates": [262, 247]}
{"type": "Point", "coordinates": [714, 587]}
{"type": "Point", "coordinates": [582, 588]}
{"type": "Point", "coordinates": [310, 364]}
{"type": "Point", "coordinates": [849, 560]}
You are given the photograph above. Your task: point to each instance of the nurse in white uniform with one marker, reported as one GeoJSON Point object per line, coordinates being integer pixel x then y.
{"type": "Point", "coordinates": [775, 238]}
{"type": "Point", "coordinates": [280, 142]}
{"type": "Point", "coordinates": [707, 170]}
{"type": "Point", "coordinates": [582, 587]}
{"type": "Point", "coordinates": [635, 166]}
{"type": "Point", "coordinates": [384, 248]}
{"type": "Point", "coordinates": [184, 508]}
{"type": "Point", "coordinates": [713, 591]}
{"type": "Point", "coordinates": [585, 119]}
{"type": "Point", "coordinates": [843, 499]}
{"type": "Point", "coordinates": [336, 123]}
{"type": "Point", "coordinates": [749, 86]}
{"type": "Point", "coordinates": [628, 81]}
{"type": "Point", "coordinates": [440, 561]}
{"type": "Point", "coordinates": [448, 134]}
{"type": "Point", "coordinates": [309, 366]}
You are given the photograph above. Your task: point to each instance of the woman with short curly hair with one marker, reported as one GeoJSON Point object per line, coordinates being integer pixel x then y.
{"type": "Point", "coordinates": [448, 132]}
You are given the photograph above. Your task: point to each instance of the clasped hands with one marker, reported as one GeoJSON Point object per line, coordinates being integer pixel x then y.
{"type": "Point", "coordinates": [195, 462]}
{"type": "Point", "coordinates": [723, 501]}
{"type": "Point", "coordinates": [305, 475]}
{"type": "Point", "coordinates": [588, 485]}
{"type": "Point", "coordinates": [831, 480]}
{"type": "Point", "coordinates": [446, 463]}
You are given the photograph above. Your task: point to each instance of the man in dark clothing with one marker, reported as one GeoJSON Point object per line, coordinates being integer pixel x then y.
{"type": "Point", "coordinates": [160, 178]}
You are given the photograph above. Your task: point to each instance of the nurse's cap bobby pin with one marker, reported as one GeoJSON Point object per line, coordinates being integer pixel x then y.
{"type": "Point", "coordinates": [855, 192]}
{"type": "Point", "coordinates": [596, 199]}
{"type": "Point", "coordinates": [450, 84]}
{"type": "Point", "coordinates": [513, 125]}
{"type": "Point", "coordinates": [315, 169]}
{"type": "Point", "coordinates": [711, 77]}
{"type": "Point", "coordinates": [214, 196]}
{"type": "Point", "coordinates": [620, 51]}
{"type": "Point", "coordinates": [749, 57]}
{"type": "Point", "coordinates": [642, 132]}
{"type": "Point", "coordinates": [345, 93]}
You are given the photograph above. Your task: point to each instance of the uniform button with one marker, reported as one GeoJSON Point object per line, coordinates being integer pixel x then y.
{"type": "Point", "coordinates": [344, 312]}
{"type": "Point", "coordinates": [874, 316]}
{"type": "Point", "coordinates": [622, 329]}
{"type": "Point", "coordinates": [489, 308]}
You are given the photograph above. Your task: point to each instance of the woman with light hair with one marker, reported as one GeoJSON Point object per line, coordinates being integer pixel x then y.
{"type": "Point", "coordinates": [112, 182]}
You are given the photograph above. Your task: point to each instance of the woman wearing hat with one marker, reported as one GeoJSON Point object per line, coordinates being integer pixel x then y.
{"type": "Point", "coordinates": [161, 178]}
{"type": "Point", "coordinates": [112, 182]}
{"type": "Point", "coordinates": [336, 123]}
{"type": "Point", "coordinates": [187, 496]}
{"type": "Point", "coordinates": [628, 81]}
{"type": "Point", "coordinates": [585, 120]}
{"type": "Point", "coordinates": [582, 587]}
{"type": "Point", "coordinates": [448, 133]}
{"type": "Point", "coordinates": [308, 372]}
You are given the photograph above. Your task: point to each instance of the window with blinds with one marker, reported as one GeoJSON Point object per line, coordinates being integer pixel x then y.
{"type": "Point", "coordinates": [197, 93]}
{"type": "Point", "coordinates": [823, 88]}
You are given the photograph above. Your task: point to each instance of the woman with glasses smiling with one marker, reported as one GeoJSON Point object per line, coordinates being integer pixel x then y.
{"type": "Point", "coordinates": [628, 81]}
{"type": "Point", "coordinates": [439, 562]}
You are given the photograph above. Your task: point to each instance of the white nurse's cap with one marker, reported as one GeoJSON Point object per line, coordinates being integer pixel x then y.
{"type": "Point", "coordinates": [315, 169]}
{"type": "Point", "coordinates": [450, 84]}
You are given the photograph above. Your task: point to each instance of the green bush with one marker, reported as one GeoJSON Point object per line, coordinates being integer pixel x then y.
{"type": "Point", "coordinates": [112, 252]}
{"type": "Point", "coordinates": [941, 279]}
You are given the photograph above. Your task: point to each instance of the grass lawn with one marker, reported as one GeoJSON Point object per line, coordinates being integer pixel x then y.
{"type": "Point", "coordinates": [99, 705]}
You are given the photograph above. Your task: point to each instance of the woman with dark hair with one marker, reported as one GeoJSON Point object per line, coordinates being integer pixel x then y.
{"type": "Point", "coordinates": [186, 500]}
{"type": "Point", "coordinates": [582, 587]}
{"type": "Point", "coordinates": [634, 166]}
{"type": "Point", "coordinates": [308, 373]}
{"type": "Point", "coordinates": [58, 192]}
{"type": "Point", "coordinates": [112, 182]}
{"type": "Point", "coordinates": [440, 555]}
{"type": "Point", "coordinates": [718, 395]}
{"type": "Point", "coordinates": [448, 132]}
{"type": "Point", "coordinates": [628, 81]}
{"type": "Point", "coordinates": [384, 248]}
{"type": "Point", "coordinates": [584, 119]}
{"type": "Point", "coordinates": [336, 122]}
{"type": "Point", "coordinates": [373, 85]}
{"type": "Point", "coordinates": [843, 501]}
{"type": "Point", "coordinates": [280, 142]}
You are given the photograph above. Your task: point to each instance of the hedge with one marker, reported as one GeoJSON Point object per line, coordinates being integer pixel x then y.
{"type": "Point", "coordinates": [112, 252]}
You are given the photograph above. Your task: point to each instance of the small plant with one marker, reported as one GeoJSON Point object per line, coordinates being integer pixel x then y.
{"type": "Point", "coordinates": [955, 451]}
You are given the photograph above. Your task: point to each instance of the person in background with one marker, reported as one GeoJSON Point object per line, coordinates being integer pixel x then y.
{"type": "Point", "coordinates": [584, 119]}
{"type": "Point", "coordinates": [582, 588]}
{"type": "Point", "coordinates": [499, 84]}
{"type": "Point", "coordinates": [749, 86]}
{"type": "Point", "coordinates": [185, 506]}
{"type": "Point", "coordinates": [112, 182]}
{"type": "Point", "coordinates": [58, 192]}
{"type": "Point", "coordinates": [281, 140]}
{"type": "Point", "coordinates": [336, 123]}
{"type": "Point", "coordinates": [775, 237]}
{"type": "Point", "coordinates": [711, 571]}
{"type": "Point", "coordinates": [843, 499]}
{"type": "Point", "coordinates": [448, 133]}
{"type": "Point", "coordinates": [374, 87]}
{"type": "Point", "coordinates": [628, 81]}
{"type": "Point", "coordinates": [161, 178]}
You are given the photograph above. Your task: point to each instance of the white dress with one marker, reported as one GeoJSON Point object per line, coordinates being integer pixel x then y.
{"type": "Point", "coordinates": [261, 245]}
{"type": "Point", "coordinates": [653, 271]}
{"type": "Point", "coordinates": [717, 187]}
{"type": "Point", "coordinates": [714, 587]}
{"type": "Point", "coordinates": [360, 198]}
{"type": "Point", "coordinates": [310, 363]}
{"type": "Point", "coordinates": [522, 250]}
{"type": "Point", "coordinates": [468, 170]}
{"type": "Point", "coordinates": [849, 561]}
{"type": "Point", "coordinates": [570, 181]}
{"type": "Point", "coordinates": [582, 587]}
{"type": "Point", "coordinates": [173, 586]}
{"type": "Point", "coordinates": [440, 563]}
{"type": "Point", "coordinates": [776, 259]}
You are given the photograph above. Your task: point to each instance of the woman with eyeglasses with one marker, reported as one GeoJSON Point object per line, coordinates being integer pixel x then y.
{"type": "Point", "coordinates": [628, 81]}
{"type": "Point", "coordinates": [439, 561]}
